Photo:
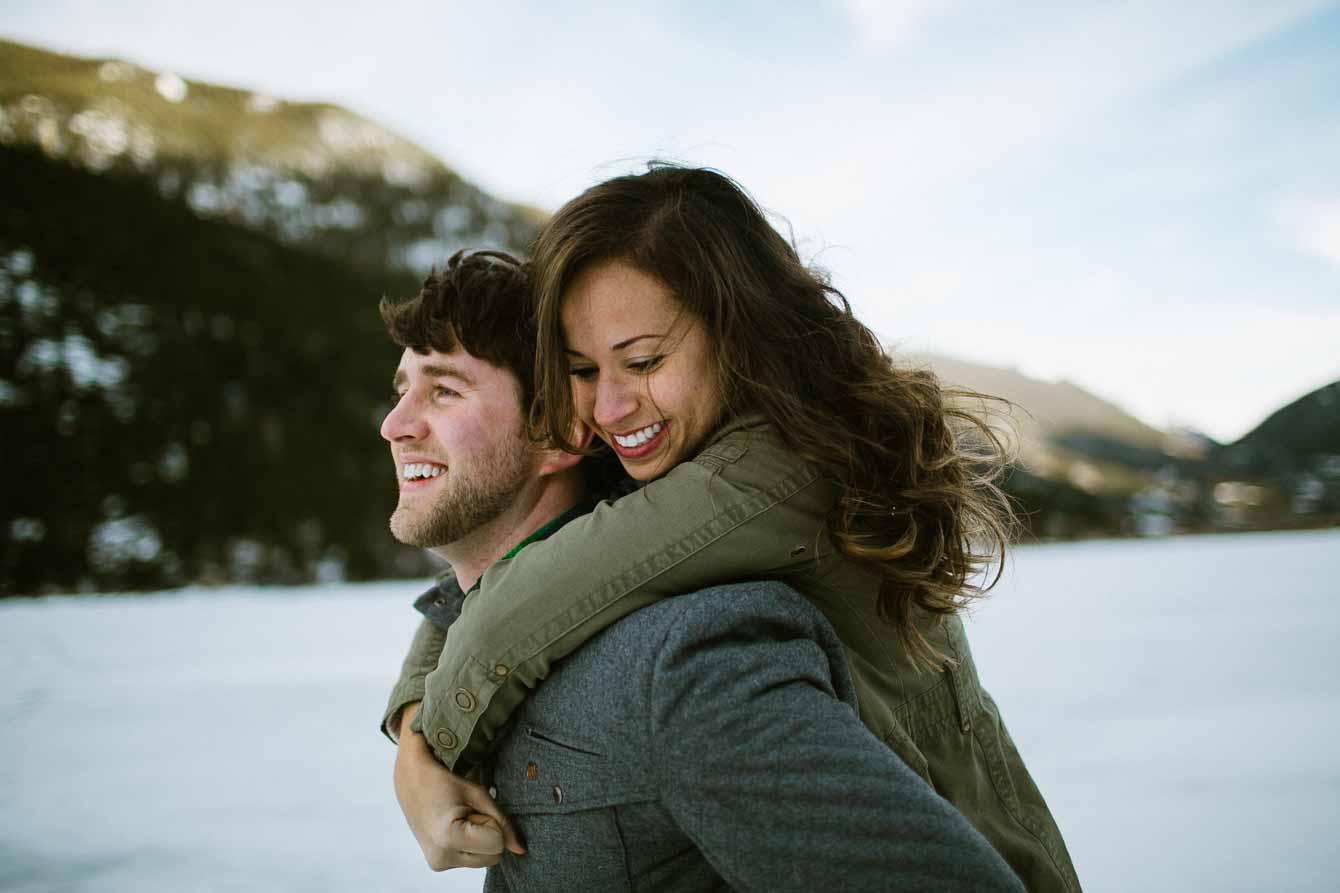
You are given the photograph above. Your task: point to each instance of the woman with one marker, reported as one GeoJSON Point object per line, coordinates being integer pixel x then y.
{"type": "Point", "coordinates": [777, 439]}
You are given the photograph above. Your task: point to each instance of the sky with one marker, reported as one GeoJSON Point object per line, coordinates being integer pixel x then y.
{"type": "Point", "coordinates": [1141, 198]}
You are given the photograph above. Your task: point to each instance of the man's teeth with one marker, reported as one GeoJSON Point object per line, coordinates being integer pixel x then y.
{"type": "Point", "coordinates": [416, 470]}
{"type": "Point", "coordinates": [637, 438]}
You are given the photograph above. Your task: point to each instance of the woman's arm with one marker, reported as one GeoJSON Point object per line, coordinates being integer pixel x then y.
{"type": "Point", "coordinates": [455, 821]}
{"type": "Point", "coordinates": [424, 651]}
{"type": "Point", "coordinates": [745, 507]}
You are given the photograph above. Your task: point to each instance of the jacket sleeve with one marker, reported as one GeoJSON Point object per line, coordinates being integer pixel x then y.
{"type": "Point", "coordinates": [743, 508]}
{"type": "Point", "coordinates": [772, 775]}
{"type": "Point", "coordinates": [424, 651]}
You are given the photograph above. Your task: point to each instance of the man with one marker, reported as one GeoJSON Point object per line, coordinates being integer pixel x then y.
{"type": "Point", "coordinates": [707, 741]}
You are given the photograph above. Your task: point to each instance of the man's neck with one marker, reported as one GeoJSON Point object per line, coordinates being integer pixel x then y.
{"type": "Point", "coordinates": [533, 508]}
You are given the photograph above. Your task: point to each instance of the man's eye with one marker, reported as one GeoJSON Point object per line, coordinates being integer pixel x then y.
{"type": "Point", "coordinates": [582, 373]}
{"type": "Point", "coordinates": [645, 365]}
{"type": "Point", "coordinates": [440, 391]}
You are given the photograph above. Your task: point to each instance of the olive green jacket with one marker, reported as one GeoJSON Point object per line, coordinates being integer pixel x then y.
{"type": "Point", "coordinates": [744, 508]}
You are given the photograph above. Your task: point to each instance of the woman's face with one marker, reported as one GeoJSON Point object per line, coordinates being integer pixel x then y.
{"type": "Point", "coordinates": [642, 372]}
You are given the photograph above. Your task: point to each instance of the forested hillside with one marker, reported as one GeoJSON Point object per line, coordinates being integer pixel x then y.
{"type": "Point", "coordinates": [192, 368]}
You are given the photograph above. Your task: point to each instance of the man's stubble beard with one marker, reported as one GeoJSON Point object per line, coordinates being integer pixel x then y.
{"type": "Point", "coordinates": [471, 499]}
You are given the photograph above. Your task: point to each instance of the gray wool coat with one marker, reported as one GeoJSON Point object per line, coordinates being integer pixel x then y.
{"type": "Point", "coordinates": [711, 742]}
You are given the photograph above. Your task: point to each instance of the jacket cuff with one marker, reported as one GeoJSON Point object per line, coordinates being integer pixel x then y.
{"type": "Point", "coordinates": [422, 659]}
{"type": "Point", "coordinates": [402, 696]}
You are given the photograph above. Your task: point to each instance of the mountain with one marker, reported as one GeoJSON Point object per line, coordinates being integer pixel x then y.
{"type": "Point", "coordinates": [1085, 466]}
{"type": "Point", "coordinates": [312, 175]}
{"type": "Point", "coordinates": [1062, 431]}
{"type": "Point", "coordinates": [192, 367]}
{"type": "Point", "coordinates": [1049, 408]}
{"type": "Point", "coordinates": [1302, 436]}
{"type": "Point", "coordinates": [1286, 469]}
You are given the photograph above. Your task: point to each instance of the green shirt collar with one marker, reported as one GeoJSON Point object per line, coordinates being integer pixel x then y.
{"type": "Point", "coordinates": [545, 531]}
{"type": "Point", "coordinates": [548, 529]}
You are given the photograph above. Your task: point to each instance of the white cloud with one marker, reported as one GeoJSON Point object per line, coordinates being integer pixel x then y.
{"type": "Point", "coordinates": [1313, 226]}
{"type": "Point", "coordinates": [880, 24]}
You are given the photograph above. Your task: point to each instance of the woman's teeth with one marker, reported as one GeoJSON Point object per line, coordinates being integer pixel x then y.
{"type": "Point", "coordinates": [637, 438]}
{"type": "Point", "coordinates": [416, 470]}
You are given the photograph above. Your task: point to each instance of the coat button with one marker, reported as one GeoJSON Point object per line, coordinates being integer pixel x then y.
{"type": "Point", "coordinates": [966, 727]}
{"type": "Point", "coordinates": [465, 700]}
{"type": "Point", "coordinates": [558, 794]}
{"type": "Point", "coordinates": [501, 670]}
{"type": "Point", "coordinates": [446, 739]}
{"type": "Point", "coordinates": [493, 792]}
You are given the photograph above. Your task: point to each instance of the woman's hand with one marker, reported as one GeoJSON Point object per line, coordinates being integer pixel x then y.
{"type": "Point", "coordinates": [455, 821]}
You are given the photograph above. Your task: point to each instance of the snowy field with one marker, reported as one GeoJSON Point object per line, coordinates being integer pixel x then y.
{"type": "Point", "coordinates": [1177, 700]}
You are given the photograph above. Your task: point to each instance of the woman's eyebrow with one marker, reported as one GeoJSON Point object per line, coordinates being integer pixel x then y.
{"type": "Point", "coordinates": [619, 346]}
{"type": "Point", "coordinates": [622, 344]}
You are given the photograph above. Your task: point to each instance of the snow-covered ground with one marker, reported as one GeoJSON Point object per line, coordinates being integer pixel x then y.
{"type": "Point", "coordinates": [1177, 701]}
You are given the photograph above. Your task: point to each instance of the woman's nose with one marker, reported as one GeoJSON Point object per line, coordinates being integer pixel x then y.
{"type": "Point", "coordinates": [616, 400]}
{"type": "Point", "coordinates": [403, 422]}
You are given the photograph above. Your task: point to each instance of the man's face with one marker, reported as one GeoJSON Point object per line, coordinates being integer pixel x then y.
{"type": "Point", "coordinates": [458, 441]}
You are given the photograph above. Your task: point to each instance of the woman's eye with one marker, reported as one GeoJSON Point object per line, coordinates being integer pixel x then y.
{"type": "Point", "coordinates": [582, 373]}
{"type": "Point", "coordinates": [645, 365]}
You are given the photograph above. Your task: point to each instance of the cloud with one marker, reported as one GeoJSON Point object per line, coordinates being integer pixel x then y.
{"type": "Point", "coordinates": [880, 25]}
{"type": "Point", "coordinates": [1313, 226]}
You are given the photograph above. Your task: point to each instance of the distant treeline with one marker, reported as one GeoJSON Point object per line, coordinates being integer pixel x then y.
{"type": "Point", "coordinates": [182, 399]}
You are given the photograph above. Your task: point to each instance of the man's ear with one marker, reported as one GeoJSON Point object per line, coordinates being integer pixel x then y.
{"type": "Point", "coordinates": [554, 461]}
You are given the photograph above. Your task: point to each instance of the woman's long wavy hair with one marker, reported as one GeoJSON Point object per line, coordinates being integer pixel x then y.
{"type": "Point", "coordinates": [916, 466]}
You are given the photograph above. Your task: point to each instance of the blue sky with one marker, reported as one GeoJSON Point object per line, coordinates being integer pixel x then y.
{"type": "Point", "coordinates": [1142, 198]}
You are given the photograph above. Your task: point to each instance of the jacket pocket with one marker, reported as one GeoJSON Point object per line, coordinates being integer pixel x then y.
{"type": "Point", "coordinates": [564, 797]}
{"type": "Point", "coordinates": [538, 770]}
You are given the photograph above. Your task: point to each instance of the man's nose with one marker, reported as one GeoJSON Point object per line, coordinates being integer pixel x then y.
{"type": "Point", "coordinates": [616, 400]}
{"type": "Point", "coordinates": [403, 422]}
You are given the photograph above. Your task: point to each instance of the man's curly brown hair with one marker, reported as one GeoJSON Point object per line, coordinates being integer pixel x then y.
{"type": "Point", "coordinates": [481, 301]}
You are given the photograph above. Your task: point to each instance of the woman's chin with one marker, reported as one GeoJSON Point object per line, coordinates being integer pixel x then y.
{"type": "Point", "coordinates": [647, 468]}
{"type": "Point", "coordinates": [642, 472]}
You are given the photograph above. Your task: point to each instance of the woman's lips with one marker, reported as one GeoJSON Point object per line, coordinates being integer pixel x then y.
{"type": "Point", "coordinates": [642, 449]}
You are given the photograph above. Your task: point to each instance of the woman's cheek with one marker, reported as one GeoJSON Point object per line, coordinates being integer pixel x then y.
{"type": "Point", "coordinates": [582, 400]}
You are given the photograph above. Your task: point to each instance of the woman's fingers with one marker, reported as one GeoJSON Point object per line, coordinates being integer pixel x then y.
{"type": "Point", "coordinates": [475, 835]}
{"type": "Point", "coordinates": [475, 860]}
{"type": "Point", "coordinates": [479, 800]}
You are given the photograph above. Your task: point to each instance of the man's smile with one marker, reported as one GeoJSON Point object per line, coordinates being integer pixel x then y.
{"type": "Point", "coordinates": [418, 473]}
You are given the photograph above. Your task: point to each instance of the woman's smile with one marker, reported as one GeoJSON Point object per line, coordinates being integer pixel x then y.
{"type": "Point", "coordinates": [639, 443]}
